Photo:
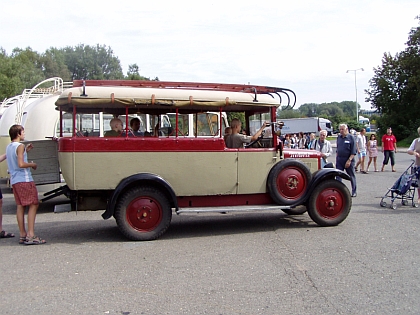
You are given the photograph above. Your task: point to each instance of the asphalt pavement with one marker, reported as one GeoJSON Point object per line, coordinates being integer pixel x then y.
{"type": "Point", "coordinates": [259, 263]}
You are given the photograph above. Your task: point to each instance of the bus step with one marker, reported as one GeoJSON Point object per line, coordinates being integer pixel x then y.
{"type": "Point", "coordinates": [232, 209]}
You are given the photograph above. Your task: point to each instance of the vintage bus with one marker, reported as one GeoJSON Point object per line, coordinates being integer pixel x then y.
{"type": "Point", "coordinates": [142, 181]}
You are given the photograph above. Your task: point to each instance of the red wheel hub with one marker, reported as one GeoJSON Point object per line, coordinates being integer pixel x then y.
{"type": "Point", "coordinates": [330, 203]}
{"type": "Point", "coordinates": [144, 214]}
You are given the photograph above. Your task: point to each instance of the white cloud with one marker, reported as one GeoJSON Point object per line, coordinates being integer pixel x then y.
{"type": "Point", "coordinates": [302, 45]}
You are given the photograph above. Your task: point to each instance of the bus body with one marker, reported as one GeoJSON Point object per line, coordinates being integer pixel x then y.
{"type": "Point", "coordinates": [140, 181]}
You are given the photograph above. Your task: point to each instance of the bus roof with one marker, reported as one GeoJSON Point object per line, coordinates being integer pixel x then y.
{"type": "Point", "coordinates": [158, 97]}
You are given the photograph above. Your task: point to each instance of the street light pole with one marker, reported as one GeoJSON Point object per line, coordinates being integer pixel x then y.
{"type": "Point", "coordinates": [355, 86]}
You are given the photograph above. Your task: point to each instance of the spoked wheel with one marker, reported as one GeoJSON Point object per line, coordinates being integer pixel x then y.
{"type": "Point", "coordinates": [143, 213]}
{"type": "Point", "coordinates": [288, 181]}
{"type": "Point", "coordinates": [329, 203]}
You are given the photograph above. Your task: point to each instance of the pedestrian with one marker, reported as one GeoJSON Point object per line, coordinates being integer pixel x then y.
{"type": "Point", "coordinates": [324, 146]}
{"type": "Point", "coordinates": [3, 234]}
{"type": "Point", "coordinates": [312, 139]}
{"type": "Point", "coordinates": [23, 185]}
{"type": "Point", "coordinates": [361, 150]}
{"type": "Point", "coordinates": [286, 142]}
{"type": "Point", "coordinates": [372, 148]}
{"type": "Point", "coordinates": [346, 151]}
{"type": "Point", "coordinates": [293, 141]}
{"type": "Point", "coordinates": [414, 149]}
{"type": "Point", "coordinates": [389, 148]}
{"type": "Point", "coordinates": [301, 140]}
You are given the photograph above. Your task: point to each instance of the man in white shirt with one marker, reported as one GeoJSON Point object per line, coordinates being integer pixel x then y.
{"type": "Point", "coordinates": [324, 146]}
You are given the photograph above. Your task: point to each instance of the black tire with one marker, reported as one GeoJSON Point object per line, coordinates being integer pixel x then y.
{"type": "Point", "coordinates": [329, 203]}
{"type": "Point", "coordinates": [288, 182]}
{"type": "Point", "coordinates": [143, 213]}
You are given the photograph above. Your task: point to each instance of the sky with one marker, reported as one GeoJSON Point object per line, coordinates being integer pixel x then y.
{"type": "Point", "coordinates": [306, 46]}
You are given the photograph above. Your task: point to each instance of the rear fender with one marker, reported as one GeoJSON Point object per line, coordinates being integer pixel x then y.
{"type": "Point", "coordinates": [140, 179]}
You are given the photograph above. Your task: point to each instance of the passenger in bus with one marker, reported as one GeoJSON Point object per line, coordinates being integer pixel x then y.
{"type": "Point", "coordinates": [228, 131]}
{"type": "Point", "coordinates": [116, 128]}
{"type": "Point", "coordinates": [237, 140]}
{"type": "Point", "coordinates": [135, 128]}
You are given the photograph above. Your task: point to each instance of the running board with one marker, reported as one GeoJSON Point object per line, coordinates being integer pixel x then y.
{"type": "Point", "coordinates": [232, 209]}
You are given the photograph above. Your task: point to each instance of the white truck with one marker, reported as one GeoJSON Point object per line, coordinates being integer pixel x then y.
{"type": "Point", "coordinates": [306, 125]}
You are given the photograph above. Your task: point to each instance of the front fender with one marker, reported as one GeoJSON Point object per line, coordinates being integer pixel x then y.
{"type": "Point", "coordinates": [140, 179]}
{"type": "Point", "coordinates": [321, 175]}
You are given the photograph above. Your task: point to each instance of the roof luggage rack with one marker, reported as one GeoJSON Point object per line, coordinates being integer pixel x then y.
{"type": "Point", "coordinates": [244, 88]}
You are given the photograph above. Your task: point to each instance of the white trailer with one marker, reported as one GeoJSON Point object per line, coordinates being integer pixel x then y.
{"type": "Point", "coordinates": [306, 125]}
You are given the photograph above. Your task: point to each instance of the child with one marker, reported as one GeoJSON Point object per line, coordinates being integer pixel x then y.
{"type": "Point", "coordinates": [23, 185]}
{"type": "Point", "coordinates": [3, 234]}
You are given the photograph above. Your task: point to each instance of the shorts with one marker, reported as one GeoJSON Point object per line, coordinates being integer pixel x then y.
{"type": "Point", "coordinates": [361, 154]}
{"type": "Point", "coordinates": [25, 193]}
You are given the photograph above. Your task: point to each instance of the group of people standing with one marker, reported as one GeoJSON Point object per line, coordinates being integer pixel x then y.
{"type": "Point", "coordinates": [299, 141]}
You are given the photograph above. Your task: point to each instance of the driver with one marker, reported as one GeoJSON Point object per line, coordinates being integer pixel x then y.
{"type": "Point", "coordinates": [237, 140]}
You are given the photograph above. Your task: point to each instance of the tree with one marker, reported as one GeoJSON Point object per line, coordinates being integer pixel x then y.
{"type": "Point", "coordinates": [133, 73]}
{"type": "Point", "coordinates": [395, 88]}
{"type": "Point", "coordinates": [20, 70]}
{"type": "Point", "coordinates": [92, 63]}
{"type": "Point", "coordinates": [289, 113]}
{"type": "Point", "coordinates": [54, 65]}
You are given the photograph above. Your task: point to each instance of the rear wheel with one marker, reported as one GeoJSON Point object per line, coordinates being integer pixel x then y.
{"type": "Point", "coordinates": [143, 213]}
{"type": "Point", "coordinates": [329, 203]}
{"type": "Point", "coordinates": [288, 181]}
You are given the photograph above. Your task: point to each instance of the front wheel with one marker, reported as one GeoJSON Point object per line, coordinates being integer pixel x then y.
{"type": "Point", "coordinates": [329, 203]}
{"type": "Point", "coordinates": [143, 213]}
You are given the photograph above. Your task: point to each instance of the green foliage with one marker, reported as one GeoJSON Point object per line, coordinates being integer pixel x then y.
{"type": "Point", "coordinates": [54, 64]}
{"type": "Point", "coordinates": [19, 71]}
{"type": "Point", "coordinates": [354, 124]}
{"type": "Point", "coordinates": [23, 69]}
{"type": "Point", "coordinates": [133, 73]}
{"type": "Point", "coordinates": [395, 89]}
{"type": "Point", "coordinates": [92, 63]}
{"type": "Point", "coordinates": [289, 113]}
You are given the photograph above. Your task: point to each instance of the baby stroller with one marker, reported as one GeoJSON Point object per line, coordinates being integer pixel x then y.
{"type": "Point", "coordinates": [404, 188]}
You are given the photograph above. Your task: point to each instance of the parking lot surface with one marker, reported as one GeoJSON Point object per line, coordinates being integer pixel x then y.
{"type": "Point", "coordinates": [258, 263]}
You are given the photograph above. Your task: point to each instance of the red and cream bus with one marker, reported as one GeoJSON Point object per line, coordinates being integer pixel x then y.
{"type": "Point", "coordinates": [142, 181]}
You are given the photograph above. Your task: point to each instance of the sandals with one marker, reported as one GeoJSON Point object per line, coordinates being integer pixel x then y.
{"type": "Point", "coordinates": [34, 240]}
{"type": "Point", "coordinates": [4, 234]}
{"type": "Point", "coordinates": [22, 240]}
